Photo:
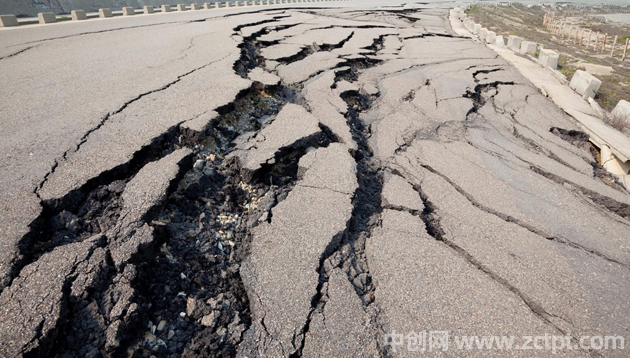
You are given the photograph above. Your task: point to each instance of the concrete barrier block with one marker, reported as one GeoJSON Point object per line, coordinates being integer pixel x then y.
{"type": "Point", "coordinates": [476, 29]}
{"type": "Point", "coordinates": [499, 41]}
{"type": "Point", "coordinates": [8, 21]}
{"type": "Point", "coordinates": [468, 24]}
{"type": "Point", "coordinates": [195, 7]}
{"type": "Point", "coordinates": [128, 11]}
{"type": "Point", "coordinates": [166, 8]}
{"type": "Point", "coordinates": [207, 6]}
{"type": "Point", "coordinates": [46, 17]}
{"type": "Point", "coordinates": [105, 13]}
{"type": "Point", "coordinates": [148, 9]}
{"type": "Point", "coordinates": [491, 37]}
{"type": "Point", "coordinates": [528, 48]}
{"type": "Point", "coordinates": [549, 58]}
{"type": "Point", "coordinates": [483, 32]}
{"type": "Point", "coordinates": [217, 5]}
{"type": "Point", "coordinates": [585, 84]}
{"type": "Point", "coordinates": [78, 15]}
{"type": "Point", "coordinates": [514, 42]}
{"type": "Point", "coordinates": [622, 110]}
{"type": "Point", "coordinates": [181, 7]}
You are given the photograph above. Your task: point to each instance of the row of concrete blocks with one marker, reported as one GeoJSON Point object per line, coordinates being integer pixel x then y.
{"type": "Point", "coordinates": [50, 17]}
{"type": "Point", "coordinates": [514, 42]}
{"type": "Point", "coordinates": [582, 82]}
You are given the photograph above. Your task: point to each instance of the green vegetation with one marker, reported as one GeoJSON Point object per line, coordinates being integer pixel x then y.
{"type": "Point", "coordinates": [611, 91]}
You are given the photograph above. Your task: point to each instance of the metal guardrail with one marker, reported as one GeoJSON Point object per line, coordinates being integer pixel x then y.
{"type": "Point", "coordinates": [79, 15]}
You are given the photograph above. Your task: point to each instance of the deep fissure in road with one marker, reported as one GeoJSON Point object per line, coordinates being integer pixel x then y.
{"type": "Point", "coordinates": [205, 226]}
{"type": "Point", "coordinates": [346, 250]}
{"type": "Point", "coordinates": [206, 232]}
{"type": "Point", "coordinates": [88, 214]}
{"type": "Point", "coordinates": [366, 202]}
{"type": "Point", "coordinates": [215, 205]}
{"type": "Point", "coordinates": [162, 288]}
{"type": "Point", "coordinates": [89, 210]}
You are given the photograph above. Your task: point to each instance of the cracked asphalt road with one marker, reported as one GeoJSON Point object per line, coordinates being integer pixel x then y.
{"type": "Point", "coordinates": [301, 181]}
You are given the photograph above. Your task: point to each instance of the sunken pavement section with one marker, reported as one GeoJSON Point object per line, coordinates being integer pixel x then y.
{"type": "Point", "coordinates": [294, 182]}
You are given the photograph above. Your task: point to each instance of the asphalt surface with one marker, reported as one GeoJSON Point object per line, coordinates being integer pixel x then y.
{"type": "Point", "coordinates": [324, 179]}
